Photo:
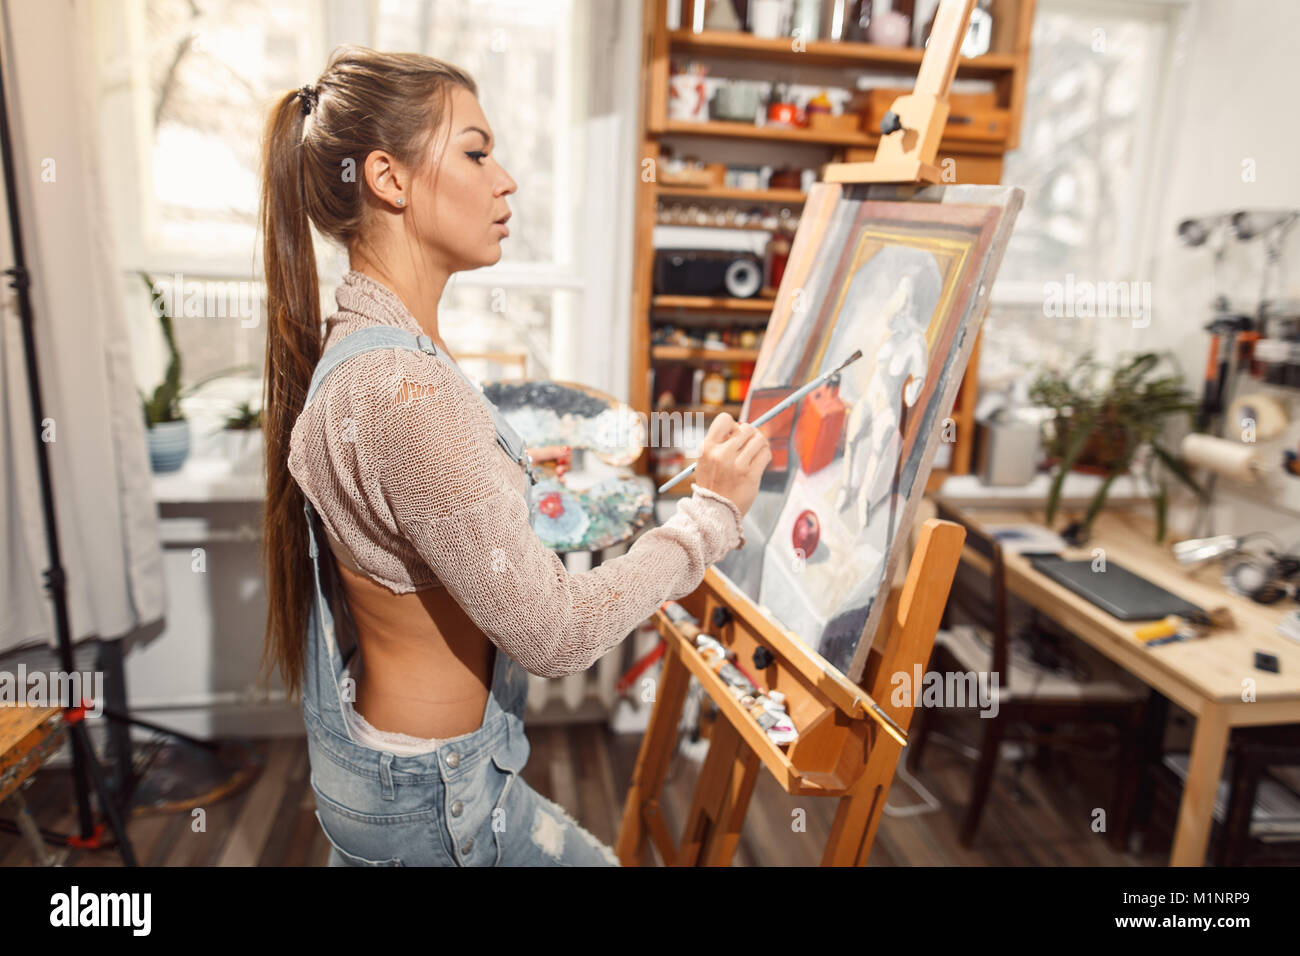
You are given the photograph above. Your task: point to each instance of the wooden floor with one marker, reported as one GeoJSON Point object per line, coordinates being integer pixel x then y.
{"type": "Point", "coordinates": [1036, 814]}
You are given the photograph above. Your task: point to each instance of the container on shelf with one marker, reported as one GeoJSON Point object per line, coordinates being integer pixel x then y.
{"type": "Point", "coordinates": [837, 20]}
{"type": "Point", "coordinates": [805, 24]}
{"type": "Point", "coordinates": [688, 98]}
{"type": "Point", "coordinates": [767, 18]}
{"type": "Point", "coordinates": [713, 391]}
{"type": "Point", "coordinates": [736, 101]}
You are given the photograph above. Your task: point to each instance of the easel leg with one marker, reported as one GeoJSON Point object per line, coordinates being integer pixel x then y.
{"type": "Point", "coordinates": [711, 793]}
{"type": "Point", "coordinates": [858, 812]}
{"type": "Point", "coordinates": [725, 834]}
{"type": "Point", "coordinates": [652, 762]}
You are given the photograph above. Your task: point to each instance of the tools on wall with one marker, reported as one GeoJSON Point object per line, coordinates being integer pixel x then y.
{"type": "Point", "coordinates": [1263, 341]}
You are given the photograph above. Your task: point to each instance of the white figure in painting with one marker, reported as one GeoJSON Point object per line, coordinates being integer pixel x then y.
{"type": "Point", "coordinates": [872, 443]}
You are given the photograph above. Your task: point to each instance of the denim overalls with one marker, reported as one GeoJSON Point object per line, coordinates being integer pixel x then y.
{"type": "Point", "coordinates": [462, 804]}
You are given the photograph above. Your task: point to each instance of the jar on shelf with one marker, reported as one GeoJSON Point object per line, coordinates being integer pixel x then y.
{"type": "Point", "coordinates": [776, 255]}
{"type": "Point", "coordinates": [713, 391]}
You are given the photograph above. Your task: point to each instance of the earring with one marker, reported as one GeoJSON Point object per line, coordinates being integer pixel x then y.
{"type": "Point", "coordinates": [401, 201]}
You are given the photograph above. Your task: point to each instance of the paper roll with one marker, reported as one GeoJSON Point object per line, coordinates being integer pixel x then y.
{"type": "Point", "coordinates": [1231, 459]}
{"type": "Point", "coordinates": [1261, 414]}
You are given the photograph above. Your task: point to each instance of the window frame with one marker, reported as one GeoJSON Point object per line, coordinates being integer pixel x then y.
{"type": "Point", "coordinates": [580, 319]}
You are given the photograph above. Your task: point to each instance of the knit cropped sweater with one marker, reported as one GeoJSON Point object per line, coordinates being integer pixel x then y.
{"type": "Point", "coordinates": [400, 459]}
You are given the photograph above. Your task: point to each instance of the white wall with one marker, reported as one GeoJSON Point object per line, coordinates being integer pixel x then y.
{"type": "Point", "coordinates": [1238, 104]}
{"type": "Point", "coordinates": [1235, 102]}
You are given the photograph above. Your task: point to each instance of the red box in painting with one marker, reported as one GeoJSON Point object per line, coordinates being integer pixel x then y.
{"type": "Point", "coordinates": [817, 435]}
{"type": "Point", "coordinates": [778, 429]}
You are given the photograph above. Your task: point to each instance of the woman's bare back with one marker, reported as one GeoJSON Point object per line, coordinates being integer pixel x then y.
{"type": "Point", "coordinates": [427, 669]}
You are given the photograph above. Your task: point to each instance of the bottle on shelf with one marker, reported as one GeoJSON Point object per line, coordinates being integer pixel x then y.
{"type": "Point", "coordinates": [775, 257]}
{"type": "Point", "coordinates": [713, 391]}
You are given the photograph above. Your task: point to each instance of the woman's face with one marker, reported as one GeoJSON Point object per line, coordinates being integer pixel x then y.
{"type": "Point", "coordinates": [458, 202]}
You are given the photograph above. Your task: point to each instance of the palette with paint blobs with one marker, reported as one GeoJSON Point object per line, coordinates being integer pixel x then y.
{"type": "Point", "coordinates": [584, 511]}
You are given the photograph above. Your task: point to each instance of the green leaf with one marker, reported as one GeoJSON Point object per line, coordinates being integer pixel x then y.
{"type": "Point", "coordinates": [1162, 510]}
{"type": "Point", "coordinates": [1080, 430]}
{"type": "Point", "coordinates": [1099, 499]}
{"type": "Point", "coordinates": [1178, 467]}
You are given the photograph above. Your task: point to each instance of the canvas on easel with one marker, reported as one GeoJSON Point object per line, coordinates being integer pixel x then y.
{"type": "Point", "coordinates": [903, 273]}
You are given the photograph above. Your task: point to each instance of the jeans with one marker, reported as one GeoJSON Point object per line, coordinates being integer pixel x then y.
{"type": "Point", "coordinates": [463, 804]}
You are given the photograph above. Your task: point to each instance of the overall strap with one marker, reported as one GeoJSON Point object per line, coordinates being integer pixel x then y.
{"type": "Point", "coordinates": [392, 337]}
{"type": "Point", "coordinates": [364, 340]}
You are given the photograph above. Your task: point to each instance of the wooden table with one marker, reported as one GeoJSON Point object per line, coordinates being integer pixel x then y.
{"type": "Point", "coordinates": [1214, 678]}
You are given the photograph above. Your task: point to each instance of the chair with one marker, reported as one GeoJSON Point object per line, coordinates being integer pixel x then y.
{"type": "Point", "coordinates": [1251, 786]}
{"type": "Point", "coordinates": [1256, 751]}
{"type": "Point", "coordinates": [1041, 683]}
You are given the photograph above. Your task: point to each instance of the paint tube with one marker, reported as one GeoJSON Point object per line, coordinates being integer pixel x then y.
{"type": "Point", "coordinates": [678, 614]}
{"type": "Point", "coordinates": [716, 657]}
{"type": "Point", "coordinates": [769, 711]}
{"type": "Point", "coordinates": [710, 649]}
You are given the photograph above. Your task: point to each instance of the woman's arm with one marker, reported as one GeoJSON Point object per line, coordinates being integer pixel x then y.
{"type": "Point", "coordinates": [453, 495]}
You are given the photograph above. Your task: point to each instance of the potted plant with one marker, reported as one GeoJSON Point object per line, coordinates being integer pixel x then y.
{"type": "Point", "coordinates": [168, 432]}
{"type": "Point", "coordinates": [242, 433]}
{"type": "Point", "coordinates": [1104, 417]}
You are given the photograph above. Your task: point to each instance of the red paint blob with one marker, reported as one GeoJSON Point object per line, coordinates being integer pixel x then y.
{"type": "Point", "coordinates": [807, 532]}
{"type": "Point", "coordinates": [551, 505]}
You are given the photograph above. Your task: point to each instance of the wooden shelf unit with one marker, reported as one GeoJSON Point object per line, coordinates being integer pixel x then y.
{"type": "Point", "coordinates": [731, 409]}
{"type": "Point", "coordinates": [681, 353]}
{"type": "Point", "coordinates": [974, 161]}
{"type": "Point", "coordinates": [711, 303]}
{"type": "Point", "coordinates": [785, 197]}
{"type": "Point", "coordinates": [862, 56]}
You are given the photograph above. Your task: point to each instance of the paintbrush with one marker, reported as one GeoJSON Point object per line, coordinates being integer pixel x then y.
{"type": "Point", "coordinates": [771, 413]}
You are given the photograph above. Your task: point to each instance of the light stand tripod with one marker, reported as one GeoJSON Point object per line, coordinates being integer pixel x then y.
{"type": "Point", "coordinates": [83, 754]}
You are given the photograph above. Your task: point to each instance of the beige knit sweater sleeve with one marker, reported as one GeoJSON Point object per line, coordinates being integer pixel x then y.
{"type": "Point", "coordinates": [460, 501]}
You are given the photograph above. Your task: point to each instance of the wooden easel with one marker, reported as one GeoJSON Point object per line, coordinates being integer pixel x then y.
{"type": "Point", "coordinates": [850, 735]}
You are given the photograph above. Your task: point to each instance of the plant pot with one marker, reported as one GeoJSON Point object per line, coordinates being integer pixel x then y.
{"type": "Point", "coordinates": [1105, 451]}
{"type": "Point", "coordinates": [169, 445]}
{"type": "Point", "coordinates": [242, 448]}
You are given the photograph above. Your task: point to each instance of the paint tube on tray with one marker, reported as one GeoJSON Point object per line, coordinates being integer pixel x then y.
{"type": "Point", "coordinates": [717, 657]}
{"type": "Point", "coordinates": [769, 711]}
{"type": "Point", "coordinates": [682, 619]}
{"type": "Point", "coordinates": [678, 614]}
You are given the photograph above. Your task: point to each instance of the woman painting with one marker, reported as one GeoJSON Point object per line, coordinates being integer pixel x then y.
{"type": "Point", "coordinates": [408, 592]}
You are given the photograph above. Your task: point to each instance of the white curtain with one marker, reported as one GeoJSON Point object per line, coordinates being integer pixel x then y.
{"type": "Point", "coordinates": [107, 519]}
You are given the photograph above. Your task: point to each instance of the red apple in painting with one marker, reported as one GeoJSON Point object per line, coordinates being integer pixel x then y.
{"type": "Point", "coordinates": [551, 505]}
{"type": "Point", "coordinates": [807, 532]}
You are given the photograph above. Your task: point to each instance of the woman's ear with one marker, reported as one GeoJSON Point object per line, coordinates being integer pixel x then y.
{"type": "Point", "coordinates": [387, 179]}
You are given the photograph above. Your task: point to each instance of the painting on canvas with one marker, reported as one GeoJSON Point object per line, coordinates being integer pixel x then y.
{"type": "Point", "coordinates": [902, 273]}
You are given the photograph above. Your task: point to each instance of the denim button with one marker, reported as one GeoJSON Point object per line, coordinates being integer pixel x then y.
{"type": "Point", "coordinates": [467, 846]}
{"type": "Point", "coordinates": [456, 807]}
{"type": "Point", "coordinates": [453, 759]}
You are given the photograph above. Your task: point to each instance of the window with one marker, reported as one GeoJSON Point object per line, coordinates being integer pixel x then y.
{"type": "Point", "coordinates": [185, 85]}
{"type": "Point", "coordinates": [1094, 100]}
